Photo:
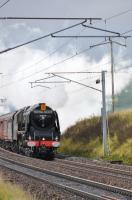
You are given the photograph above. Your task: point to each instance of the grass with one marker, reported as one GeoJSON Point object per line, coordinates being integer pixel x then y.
{"type": "Point", "coordinates": [10, 191]}
{"type": "Point", "coordinates": [85, 138]}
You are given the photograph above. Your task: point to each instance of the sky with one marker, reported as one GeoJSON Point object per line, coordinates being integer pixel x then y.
{"type": "Point", "coordinates": [31, 62]}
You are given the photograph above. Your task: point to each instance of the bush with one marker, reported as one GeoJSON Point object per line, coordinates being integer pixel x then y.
{"type": "Point", "coordinates": [85, 137]}
{"type": "Point", "coordinates": [12, 192]}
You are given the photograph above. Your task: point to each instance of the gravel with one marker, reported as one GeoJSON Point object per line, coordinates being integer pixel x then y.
{"type": "Point", "coordinates": [57, 167]}
{"type": "Point", "coordinates": [38, 189]}
{"type": "Point", "coordinates": [100, 163]}
{"type": "Point", "coordinates": [58, 180]}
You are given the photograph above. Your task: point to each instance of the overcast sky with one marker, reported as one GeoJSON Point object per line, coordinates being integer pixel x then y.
{"type": "Point", "coordinates": [67, 8]}
{"type": "Point", "coordinates": [30, 62]}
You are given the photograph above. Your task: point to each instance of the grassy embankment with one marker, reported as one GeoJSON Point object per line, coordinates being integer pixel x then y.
{"type": "Point", "coordinates": [85, 138]}
{"type": "Point", "coordinates": [10, 191]}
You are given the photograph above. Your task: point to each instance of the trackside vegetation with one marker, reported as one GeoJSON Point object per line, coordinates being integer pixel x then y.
{"type": "Point", "coordinates": [10, 191]}
{"type": "Point", "coordinates": [85, 138]}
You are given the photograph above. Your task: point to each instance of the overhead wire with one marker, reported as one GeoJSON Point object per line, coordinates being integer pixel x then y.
{"type": "Point", "coordinates": [46, 80]}
{"type": "Point", "coordinates": [83, 88]}
{"type": "Point", "coordinates": [119, 14]}
{"type": "Point", "coordinates": [52, 18]}
{"type": "Point", "coordinates": [3, 4]}
{"type": "Point", "coordinates": [74, 91]}
{"type": "Point", "coordinates": [64, 44]}
{"type": "Point", "coordinates": [42, 37]}
{"type": "Point", "coordinates": [45, 57]}
{"type": "Point", "coordinates": [39, 38]}
{"type": "Point", "coordinates": [114, 16]}
{"type": "Point", "coordinates": [127, 31]}
{"type": "Point", "coordinates": [40, 60]}
{"type": "Point", "coordinates": [126, 67]}
{"type": "Point", "coordinates": [52, 65]}
{"type": "Point", "coordinates": [107, 18]}
{"type": "Point", "coordinates": [55, 64]}
{"type": "Point", "coordinates": [90, 75]}
{"type": "Point", "coordinates": [60, 62]}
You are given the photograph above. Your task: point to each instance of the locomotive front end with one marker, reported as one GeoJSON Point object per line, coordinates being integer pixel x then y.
{"type": "Point", "coordinates": [43, 136]}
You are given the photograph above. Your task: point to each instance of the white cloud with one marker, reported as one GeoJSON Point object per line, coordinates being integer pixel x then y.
{"type": "Point", "coordinates": [72, 101]}
{"type": "Point", "coordinates": [27, 28]}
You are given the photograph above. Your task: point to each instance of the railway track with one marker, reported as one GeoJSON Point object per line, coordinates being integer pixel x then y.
{"type": "Point", "coordinates": [109, 171]}
{"type": "Point", "coordinates": [78, 186]}
{"type": "Point", "coordinates": [102, 174]}
{"type": "Point", "coordinates": [94, 162]}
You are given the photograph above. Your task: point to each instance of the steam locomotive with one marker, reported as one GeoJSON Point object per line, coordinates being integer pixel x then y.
{"type": "Point", "coordinates": [32, 130]}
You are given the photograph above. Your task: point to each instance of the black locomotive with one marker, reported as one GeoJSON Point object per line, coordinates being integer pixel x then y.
{"type": "Point", "coordinates": [33, 131]}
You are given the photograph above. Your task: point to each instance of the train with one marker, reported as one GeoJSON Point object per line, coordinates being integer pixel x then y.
{"type": "Point", "coordinates": [32, 131]}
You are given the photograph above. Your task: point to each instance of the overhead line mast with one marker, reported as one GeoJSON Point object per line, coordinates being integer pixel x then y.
{"type": "Point", "coordinates": [104, 113]}
{"type": "Point", "coordinates": [111, 42]}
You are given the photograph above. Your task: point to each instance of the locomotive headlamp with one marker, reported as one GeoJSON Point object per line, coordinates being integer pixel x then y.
{"type": "Point", "coordinates": [43, 138]}
{"type": "Point", "coordinates": [56, 138]}
{"type": "Point", "coordinates": [29, 137]}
